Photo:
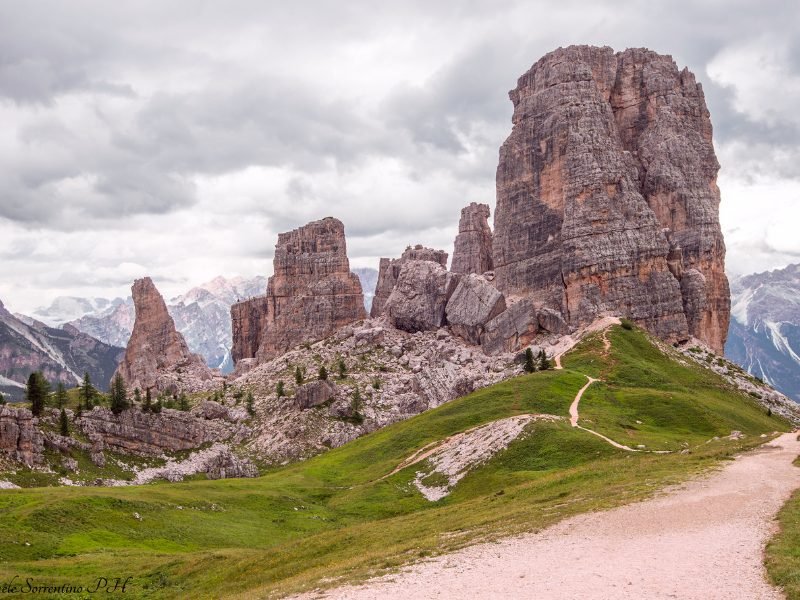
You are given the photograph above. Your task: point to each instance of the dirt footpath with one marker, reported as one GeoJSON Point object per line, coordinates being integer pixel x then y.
{"type": "Point", "coordinates": [703, 540]}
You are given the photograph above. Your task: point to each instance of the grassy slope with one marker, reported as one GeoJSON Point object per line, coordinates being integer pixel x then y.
{"type": "Point", "coordinates": [783, 551]}
{"type": "Point", "coordinates": [330, 517]}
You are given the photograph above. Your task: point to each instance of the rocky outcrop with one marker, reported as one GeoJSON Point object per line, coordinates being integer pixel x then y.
{"type": "Point", "coordinates": [20, 438]}
{"type": "Point", "coordinates": [473, 304]}
{"type": "Point", "coordinates": [157, 357]}
{"type": "Point", "coordinates": [472, 251]}
{"type": "Point", "coordinates": [389, 271]}
{"type": "Point", "coordinates": [311, 294]}
{"type": "Point", "coordinates": [314, 394]}
{"type": "Point", "coordinates": [151, 434]}
{"type": "Point", "coordinates": [419, 298]}
{"type": "Point", "coordinates": [607, 196]}
{"type": "Point", "coordinates": [511, 329]}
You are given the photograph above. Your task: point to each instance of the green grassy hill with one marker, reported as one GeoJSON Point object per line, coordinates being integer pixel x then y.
{"type": "Point", "coordinates": [335, 518]}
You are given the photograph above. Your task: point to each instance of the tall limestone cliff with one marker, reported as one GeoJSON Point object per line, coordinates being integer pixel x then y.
{"type": "Point", "coordinates": [157, 357]}
{"type": "Point", "coordinates": [606, 194]}
{"type": "Point", "coordinates": [472, 251]}
{"type": "Point", "coordinates": [310, 295]}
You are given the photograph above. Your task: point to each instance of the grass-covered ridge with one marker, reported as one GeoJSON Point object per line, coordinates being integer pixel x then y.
{"type": "Point", "coordinates": [334, 518]}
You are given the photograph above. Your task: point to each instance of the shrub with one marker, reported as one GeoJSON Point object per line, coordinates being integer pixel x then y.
{"type": "Point", "coordinates": [626, 324]}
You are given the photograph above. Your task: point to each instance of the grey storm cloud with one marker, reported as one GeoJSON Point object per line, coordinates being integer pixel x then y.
{"type": "Point", "coordinates": [126, 116]}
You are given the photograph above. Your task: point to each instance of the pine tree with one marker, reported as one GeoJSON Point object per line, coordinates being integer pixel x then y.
{"type": "Point", "coordinates": [119, 395]}
{"type": "Point", "coordinates": [148, 401]}
{"type": "Point", "coordinates": [61, 395]}
{"type": "Point", "coordinates": [279, 390]}
{"type": "Point", "coordinates": [157, 406]}
{"type": "Point", "coordinates": [2, 399]}
{"type": "Point", "coordinates": [183, 403]}
{"type": "Point", "coordinates": [63, 422]}
{"type": "Point", "coordinates": [530, 366]}
{"type": "Point", "coordinates": [298, 375]}
{"type": "Point", "coordinates": [36, 392]}
{"type": "Point", "coordinates": [544, 362]}
{"type": "Point", "coordinates": [323, 373]}
{"type": "Point", "coordinates": [342, 368]}
{"type": "Point", "coordinates": [249, 403]}
{"type": "Point", "coordinates": [87, 392]}
{"type": "Point", "coordinates": [137, 396]}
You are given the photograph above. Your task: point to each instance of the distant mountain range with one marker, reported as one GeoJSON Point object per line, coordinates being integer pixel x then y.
{"type": "Point", "coordinates": [202, 314]}
{"type": "Point", "coordinates": [764, 335]}
{"type": "Point", "coordinates": [63, 355]}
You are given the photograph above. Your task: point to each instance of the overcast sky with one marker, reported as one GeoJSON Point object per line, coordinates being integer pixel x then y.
{"type": "Point", "coordinates": [176, 139]}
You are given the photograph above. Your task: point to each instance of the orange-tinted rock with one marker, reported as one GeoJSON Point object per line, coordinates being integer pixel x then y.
{"type": "Point", "coordinates": [472, 252]}
{"type": "Point", "coordinates": [248, 320]}
{"type": "Point", "coordinates": [607, 196]}
{"type": "Point", "coordinates": [157, 357]}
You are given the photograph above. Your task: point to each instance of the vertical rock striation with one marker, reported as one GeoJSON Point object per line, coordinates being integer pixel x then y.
{"type": "Point", "coordinates": [157, 357]}
{"type": "Point", "coordinates": [310, 295]}
{"type": "Point", "coordinates": [472, 252]}
{"type": "Point", "coordinates": [606, 194]}
{"type": "Point", "coordinates": [20, 437]}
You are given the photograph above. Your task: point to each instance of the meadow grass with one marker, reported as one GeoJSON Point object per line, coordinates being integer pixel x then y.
{"type": "Point", "coordinates": [335, 518]}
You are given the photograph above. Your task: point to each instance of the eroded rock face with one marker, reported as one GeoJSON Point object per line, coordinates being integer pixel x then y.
{"type": "Point", "coordinates": [389, 271]}
{"type": "Point", "coordinates": [419, 298]}
{"type": "Point", "coordinates": [248, 320]}
{"type": "Point", "coordinates": [20, 437]}
{"type": "Point", "coordinates": [311, 294]}
{"type": "Point", "coordinates": [157, 357]}
{"type": "Point", "coordinates": [473, 304]}
{"type": "Point", "coordinates": [472, 251]}
{"type": "Point", "coordinates": [150, 434]}
{"type": "Point", "coordinates": [609, 171]}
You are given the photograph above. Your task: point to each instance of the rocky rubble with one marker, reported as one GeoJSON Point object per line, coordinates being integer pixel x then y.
{"type": "Point", "coordinates": [389, 375]}
{"type": "Point", "coordinates": [606, 195]}
{"type": "Point", "coordinates": [157, 357]}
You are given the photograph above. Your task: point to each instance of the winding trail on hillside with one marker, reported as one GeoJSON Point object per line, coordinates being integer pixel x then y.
{"type": "Point", "coordinates": [702, 540]}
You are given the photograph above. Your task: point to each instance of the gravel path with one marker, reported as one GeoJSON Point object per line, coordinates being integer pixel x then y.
{"type": "Point", "coordinates": [702, 540]}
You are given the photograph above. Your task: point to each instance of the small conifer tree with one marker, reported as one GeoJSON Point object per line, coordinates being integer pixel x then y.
{"type": "Point", "coordinates": [279, 389]}
{"type": "Point", "coordinates": [323, 373]}
{"type": "Point", "coordinates": [61, 395]}
{"type": "Point", "coordinates": [183, 402]}
{"type": "Point", "coordinates": [148, 401]}
{"type": "Point", "coordinates": [63, 422]}
{"type": "Point", "coordinates": [36, 392]}
{"type": "Point", "coordinates": [119, 395]}
{"type": "Point", "coordinates": [249, 403]}
{"type": "Point", "coordinates": [342, 368]}
{"type": "Point", "coordinates": [544, 362]}
{"type": "Point", "coordinates": [530, 366]}
{"type": "Point", "coordinates": [298, 375]}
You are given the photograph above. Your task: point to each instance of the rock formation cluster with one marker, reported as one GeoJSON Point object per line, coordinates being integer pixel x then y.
{"type": "Point", "coordinates": [157, 357]}
{"type": "Point", "coordinates": [311, 294]}
{"type": "Point", "coordinates": [389, 272]}
{"type": "Point", "coordinates": [606, 194]}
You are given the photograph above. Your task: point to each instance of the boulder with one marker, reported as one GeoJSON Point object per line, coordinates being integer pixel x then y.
{"type": "Point", "coordinates": [474, 303]}
{"type": "Point", "coordinates": [389, 271]}
{"type": "Point", "coordinates": [314, 394]}
{"type": "Point", "coordinates": [418, 300]}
